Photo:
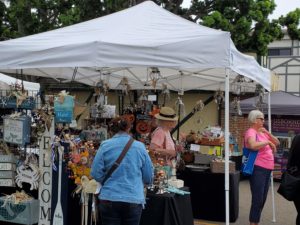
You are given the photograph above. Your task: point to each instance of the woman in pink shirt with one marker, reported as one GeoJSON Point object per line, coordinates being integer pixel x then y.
{"type": "Point", "coordinates": [161, 141]}
{"type": "Point", "coordinates": [259, 139]}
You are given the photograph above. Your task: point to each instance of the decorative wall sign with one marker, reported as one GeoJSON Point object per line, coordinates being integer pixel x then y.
{"type": "Point", "coordinates": [17, 130]}
{"type": "Point", "coordinates": [10, 102]}
{"type": "Point", "coordinates": [99, 134]}
{"type": "Point", "coordinates": [63, 109]}
{"type": "Point", "coordinates": [45, 185]}
{"type": "Point", "coordinates": [28, 174]}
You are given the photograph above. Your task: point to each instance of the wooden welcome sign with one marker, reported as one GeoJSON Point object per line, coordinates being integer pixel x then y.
{"type": "Point", "coordinates": [45, 185]}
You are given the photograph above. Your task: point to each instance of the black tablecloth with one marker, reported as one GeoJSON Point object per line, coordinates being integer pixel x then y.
{"type": "Point", "coordinates": [208, 194]}
{"type": "Point", "coordinates": [167, 209]}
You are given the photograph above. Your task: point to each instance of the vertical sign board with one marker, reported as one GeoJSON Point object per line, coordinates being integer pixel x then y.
{"type": "Point", "coordinates": [45, 185]}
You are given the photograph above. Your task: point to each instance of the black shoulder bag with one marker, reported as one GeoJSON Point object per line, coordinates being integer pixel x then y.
{"type": "Point", "coordinates": [119, 160]}
{"type": "Point", "coordinates": [290, 185]}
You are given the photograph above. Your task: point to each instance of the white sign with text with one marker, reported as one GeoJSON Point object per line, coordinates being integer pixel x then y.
{"type": "Point", "coordinates": [45, 185]}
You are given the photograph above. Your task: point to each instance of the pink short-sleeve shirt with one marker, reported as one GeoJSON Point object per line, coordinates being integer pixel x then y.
{"type": "Point", "coordinates": [162, 139]}
{"type": "Point", "coordinates": [265, 157]}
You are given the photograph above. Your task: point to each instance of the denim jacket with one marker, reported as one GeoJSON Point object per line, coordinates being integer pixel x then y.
{"type": "Point", "coordinates": [126, 184]}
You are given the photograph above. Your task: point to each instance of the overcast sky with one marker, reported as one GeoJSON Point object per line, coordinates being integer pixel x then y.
{"type": "Point", "coordinates": [282, 8]}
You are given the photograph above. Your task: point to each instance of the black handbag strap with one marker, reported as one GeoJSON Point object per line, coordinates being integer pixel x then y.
{"type": "Point", "coordinates": [119, 160]}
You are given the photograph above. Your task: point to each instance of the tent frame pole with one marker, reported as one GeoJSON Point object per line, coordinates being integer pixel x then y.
{"type": "Point", "coordinates": [272, 181]}
{"type": "Point", "coordinates": [227, 72]}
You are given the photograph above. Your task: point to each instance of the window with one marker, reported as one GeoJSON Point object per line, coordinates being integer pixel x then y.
{"type": "Point", "coordinates": [279, 51]}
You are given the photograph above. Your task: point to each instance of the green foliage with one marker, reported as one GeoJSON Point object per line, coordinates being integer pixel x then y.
{"type": "Point", "coordinates": [291, 22]}
{"type": "Point", "coordinates": [246, 20]}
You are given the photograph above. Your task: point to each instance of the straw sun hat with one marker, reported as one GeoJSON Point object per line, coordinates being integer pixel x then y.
{"type": "Point", "coordinates": [166, 113]}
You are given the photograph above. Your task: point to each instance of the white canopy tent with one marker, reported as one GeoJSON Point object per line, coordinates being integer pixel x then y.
{"type": "Point", "coordinates": [6, 81]}
{"type": "Point", "coordinates": [129, 44]}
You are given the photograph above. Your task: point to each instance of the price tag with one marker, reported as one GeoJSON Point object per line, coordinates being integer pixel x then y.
{"type": "Point", "coordinates": [195, 148]}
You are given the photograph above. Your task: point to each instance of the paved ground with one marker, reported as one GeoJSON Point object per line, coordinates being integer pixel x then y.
{"type": "Point", "coordinates": [285, 210]}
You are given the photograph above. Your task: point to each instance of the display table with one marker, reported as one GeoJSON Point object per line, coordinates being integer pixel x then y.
{"type": "Point", "coordinates": [208, 194]}
{"type": "Point", "coordinates": [167, 209]}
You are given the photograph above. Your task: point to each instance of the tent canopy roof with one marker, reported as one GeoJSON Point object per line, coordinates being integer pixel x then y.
{"type": "Point", "coordinates": [282, 103]}
{"type": "Point", "coordinates": [128, 43]}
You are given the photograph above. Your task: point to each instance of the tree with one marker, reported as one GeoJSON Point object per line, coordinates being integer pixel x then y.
{"type": "Point", "coordinates": [291, 22]}
{"type": "Point", "coordinates": [246, 20]}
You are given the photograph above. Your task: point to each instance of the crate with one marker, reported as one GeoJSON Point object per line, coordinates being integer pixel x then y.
{"type": "Point", "coordinates": [219, 167]}
{"type": "Point", "coordinates": [7, 182]}
{"type": "Point", "coordinates": [26, 212]}
{"type": "Point", "coordinates": [8, 159]}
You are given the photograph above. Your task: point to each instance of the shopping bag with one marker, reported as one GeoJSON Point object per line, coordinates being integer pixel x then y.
{"type": "Point", "coordinates": [289, 187]}
{"type": "Point", "coordinates": [249, 157]}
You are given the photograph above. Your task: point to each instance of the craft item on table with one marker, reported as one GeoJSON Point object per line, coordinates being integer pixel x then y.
{"type": "Point", "coordinates": [177, 191]}
{"type": "Point", "coordinates": [218, 166]}
{"type": "Point", "coordinates": [58, 217]}
{"type": "Point", "coordinates": [173, 181]}
{"type": "Point", "coordinates": [63, 107]}
{"type": "Point", "coordinates": [16, 129]}
{"type": "Point", "coordinates": [191, 138]}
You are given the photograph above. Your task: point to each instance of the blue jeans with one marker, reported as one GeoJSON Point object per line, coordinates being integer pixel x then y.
{"type": "Point", "coordinates": [259, 184]}
{"type": "Point", "coordinates": [120, 213]}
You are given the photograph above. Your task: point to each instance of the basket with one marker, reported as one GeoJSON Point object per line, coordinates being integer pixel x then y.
{"type": "Point", "coordinates": [219, 167]}
{"type": "Point", "coordinates": [211, 142]}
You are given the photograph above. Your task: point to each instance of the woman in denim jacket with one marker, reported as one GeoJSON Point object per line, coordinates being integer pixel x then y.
{"type": "Point", "coordinates": [122, 196]}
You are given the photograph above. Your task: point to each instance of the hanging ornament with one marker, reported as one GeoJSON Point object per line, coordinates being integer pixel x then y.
{"type": "Point", "coordinates": [260, 97]}
{"type": "Point", "coordinates": [236, 106]}
{"type": "Point", "coordinates": [197, 108]}
{"type": "Point", "coordinates": [219, 97]}
{"type": "Point", "coordinates": [237, 84]}
{"type": "Point", "coordinates": [101, 87]}
{"type": "Point", "coordinates": [165, 93]}
{"type": "Point", "coordinates": [154, 76]}
{"type": "Point", "coordinates": [180, 107]}
{"type": "Point", "coordinates": [124, 86]}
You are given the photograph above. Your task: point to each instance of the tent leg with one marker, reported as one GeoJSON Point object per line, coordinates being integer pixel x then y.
{"type": "Point", "coordinates": [227, 145]}
{"type": "Point", "coordinates": [272, 182]}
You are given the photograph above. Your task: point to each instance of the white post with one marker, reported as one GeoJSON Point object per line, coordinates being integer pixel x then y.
{"type": "Point", "coordinates": [272, 182]}
{"type": "Point", "coordinates": [227, 144]}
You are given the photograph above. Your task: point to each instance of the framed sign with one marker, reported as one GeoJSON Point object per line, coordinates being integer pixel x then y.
{"type": "Point", "coordinates": [17, 130]}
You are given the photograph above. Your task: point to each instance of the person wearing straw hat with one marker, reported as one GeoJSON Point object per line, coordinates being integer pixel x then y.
{"type": "Point", "coordinates": [161, 141]}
